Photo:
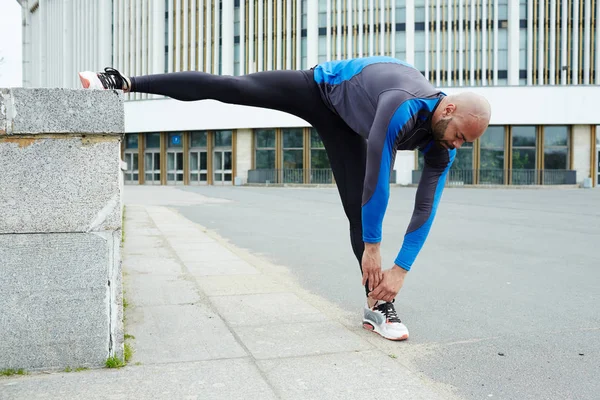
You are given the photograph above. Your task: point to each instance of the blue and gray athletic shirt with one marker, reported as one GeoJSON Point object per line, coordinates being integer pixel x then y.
{"type": "Point", "coordinates": [389, 103]}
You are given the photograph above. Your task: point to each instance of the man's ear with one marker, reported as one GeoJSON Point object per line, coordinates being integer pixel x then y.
{"type": "Point", "coordinates": [449, 109]}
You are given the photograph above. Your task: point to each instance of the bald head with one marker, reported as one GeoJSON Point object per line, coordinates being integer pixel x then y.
{"type": "Point", "coordinates": [472, 106]}
{"type": "Point", "coordinates": [461, 117]}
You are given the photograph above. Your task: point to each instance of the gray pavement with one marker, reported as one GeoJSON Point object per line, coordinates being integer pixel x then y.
{"type": "Point", "coordinates": [210, 320]}
{"type": "Point", "coordinates": [504, 271]}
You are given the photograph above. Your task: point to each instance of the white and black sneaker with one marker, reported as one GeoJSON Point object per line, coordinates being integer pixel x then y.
{"type": "Point", "coordinates": [382, 319]}
{"type": "Point", "coordinates": [109, 79]}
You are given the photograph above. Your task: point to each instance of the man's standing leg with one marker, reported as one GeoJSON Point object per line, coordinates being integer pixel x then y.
{"type": "Point", "coordinates": [347, 152]}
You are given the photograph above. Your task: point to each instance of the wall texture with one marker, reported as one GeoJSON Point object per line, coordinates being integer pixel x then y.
{"type": "Point", "coordinates": [60, 228]}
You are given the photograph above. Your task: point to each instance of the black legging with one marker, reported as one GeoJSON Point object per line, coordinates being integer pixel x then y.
{"type": "Point", "coordinates": [293, 92]}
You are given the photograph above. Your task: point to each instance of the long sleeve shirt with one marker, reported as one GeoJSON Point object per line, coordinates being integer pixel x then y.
{"type": "Point", "coordinates": [390, 104]}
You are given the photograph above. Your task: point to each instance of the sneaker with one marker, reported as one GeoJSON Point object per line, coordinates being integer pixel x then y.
{"type": "Point", "coordinates": [109, 79]}
{"type": "Point", "coordinates": [382, 319]}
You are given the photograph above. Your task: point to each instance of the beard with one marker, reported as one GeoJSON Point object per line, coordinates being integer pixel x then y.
{"type": "Point", "coordinates": [439, 130]}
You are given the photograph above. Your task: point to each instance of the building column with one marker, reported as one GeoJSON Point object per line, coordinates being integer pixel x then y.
{"type": "Point", "coordinates": [581, 151]}
{"type": "Point", "coordinates": [410, 31]}
{"type": "Point", "coordinates": [513, 42]}
{"type": "Point", "coordinates": [227, 62]}
{"type": "Point", "coordinates": [312, 45]}
{"type": "Point", "coordinates": [404, 165]}
{"type": "Point", "coordinates": [243, 158]}
{"type": "Point", "coordinates": [158, 38]}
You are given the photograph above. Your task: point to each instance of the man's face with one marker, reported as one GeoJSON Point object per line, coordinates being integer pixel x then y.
{"type": "Point", "coordinates": [445, 134]}
{"type": "Point", "coordinates": [451, 132]}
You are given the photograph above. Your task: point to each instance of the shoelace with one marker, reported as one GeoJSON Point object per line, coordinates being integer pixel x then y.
{"type": "Point", "coordinates": [389, 311]}
{"type": "Point", "coordinates": [112, 79]}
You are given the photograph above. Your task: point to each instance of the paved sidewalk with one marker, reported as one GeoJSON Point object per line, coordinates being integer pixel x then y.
{"type": "Point", "coordinates": [211, 321]}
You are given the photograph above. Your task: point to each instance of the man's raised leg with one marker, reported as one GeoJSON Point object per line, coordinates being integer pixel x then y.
{"type": "Point", "coordinates": [291, 91]}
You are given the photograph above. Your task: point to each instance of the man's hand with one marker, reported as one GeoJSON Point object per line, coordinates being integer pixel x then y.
{"type": "Point", "coordinates": [390, 285]}
{"type": "Point", "coordinates": [371, 265]}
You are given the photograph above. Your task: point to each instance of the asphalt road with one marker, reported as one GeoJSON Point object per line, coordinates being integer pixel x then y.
{"type": "Point", "coordinates": [503, 301]}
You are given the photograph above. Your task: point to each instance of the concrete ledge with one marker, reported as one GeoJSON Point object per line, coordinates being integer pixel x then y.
{"type": "Point", "coordinates": [61, 213]}
{"type": "Point", "coordinates": [59, 183]}
{"type": "Point", "coordinates": [39, 111]}
{"type": "Point", "coordinates": [54, 297]}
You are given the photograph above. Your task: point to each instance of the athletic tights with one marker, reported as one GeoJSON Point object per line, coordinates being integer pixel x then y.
{"type": "Point", "coordinates": [291, 91]}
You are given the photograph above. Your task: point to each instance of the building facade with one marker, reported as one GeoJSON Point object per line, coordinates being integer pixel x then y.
{"type": "Point", "coordinates": [538, 63]}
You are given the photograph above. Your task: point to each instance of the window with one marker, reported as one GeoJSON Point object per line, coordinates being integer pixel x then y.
{"type": "Point", "coordinates": [223, 138]}
{"type": "Point", "coordinates": [523, 155]}
{"type": "Point", "coordinates": [491, 169]}
{"type": "Point", "coordinates": [556, 154]}
{"type": "Point", "coordinates": [320, 171]}
{"type": "Point", "coordinates": [400, 45]}
{"type": "Point", "coordinates": [420, 51]}
{"type": "Point", "coordinates": [502, 49]}
{"type": "Point", "coordinates": [293, 155]}
{"type": "Point", "coordinates": [222, 158]}
{"type": "Point", "coordinates": [400, 11]}
{"type": "Point", "coordinates": [152, 158]}
{"type": "Point", "coordinates": [265, 148]}
{"type": "Point", "coordinates": [175, 157]}
{"type": "Point", "coordinates": [461, 171]}
{"type": "Point", "coordinates": [556, 147]}
{"type": "Point", "coordinates": [131, 157]}
{"type": "Point", "coordinates": [198, 158]}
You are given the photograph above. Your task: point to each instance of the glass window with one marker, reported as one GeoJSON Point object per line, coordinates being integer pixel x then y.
{"type": "Point", "coordinates": [322, 18]}
{"type": "Point", "coordinates": [131, 157]}
{"type": "Point", "coordinates": [491, 170]}
{"type": "Point", "coordinates": [420, 14]}
{"type": "Point", "coordinates": [304, 9]}
{"type": "Point", "coordinates": [523, 136]}
{"type": "Point", "coordinates": [223, 138]}
{"type": "Point", "coordinates": [502, 11]}
{"type": "Point", "coordinates": [264, 148]}
{"type": "Point", "coordinates": [556, 147]}
{"type": "Point", "coordinates": [131, 141]}
{"type": "Point", "coordinates": [303, 52]}
{"type": "Point", "coordinates": [503, 60]}
{"type": "Point", "coordinates": [153, 140]}
{"type": "Point", "coordinates": [523, 9]}
{"type": "Point", "coordinates": [293, 155]}
{"type": "Point", "coordinates": [198, 157]}
{"type": "Point", "coordinates": [175, 140]}
{"type": "Point", "coordinates": [292, 138]}
{"type": "Point", "coordinates": [236, 59]}
{"type": "Point", "coordinates": [320, 171]}
{"type": "Point", "coordinates": [502, 39]}
{"type": "Point", "coordinates": [461, 171]}
{"type": "Point", "coordinates": [464, 157]}
{"type": "Point", "coordinates": [198, 139]}
{"type": "Point", "coordinates": [152, 166]}
{"type": "Point", "coordinates": [556, 136]}
{"type": "Point", "coordinates": [400, 12]}
{"type": "Point", "coordinates": [400, 42]}
{"type": "Point", "coordinates": [524, 155]}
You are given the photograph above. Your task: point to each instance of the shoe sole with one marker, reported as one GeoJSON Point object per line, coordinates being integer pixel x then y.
{"type": "Point", "coordinates": [370, 327]}
{"type": "Point", "coordinates": [85, 82]}
{"type": "Point", "coordinates": [89, 80]}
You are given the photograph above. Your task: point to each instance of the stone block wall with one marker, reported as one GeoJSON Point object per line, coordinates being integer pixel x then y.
{"type": "Point", "coordinates": [60, 228]}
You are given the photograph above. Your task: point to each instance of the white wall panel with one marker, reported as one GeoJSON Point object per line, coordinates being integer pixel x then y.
{"type": "Point", "coordinates": [515, 105]}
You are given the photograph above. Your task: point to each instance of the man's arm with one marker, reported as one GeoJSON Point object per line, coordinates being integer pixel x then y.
{"type": "Point", "coordinates": [392, 121]}
{"type": "Point", "coordinates": [429, 192]}
{"type": "Point", "coordinates": [395, 117]}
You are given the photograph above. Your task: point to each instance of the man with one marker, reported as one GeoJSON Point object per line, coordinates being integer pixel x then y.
{"type": "Point", "coordinates": [364, 110]}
